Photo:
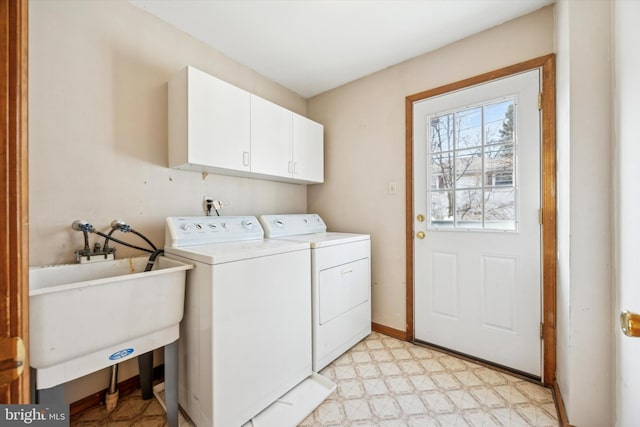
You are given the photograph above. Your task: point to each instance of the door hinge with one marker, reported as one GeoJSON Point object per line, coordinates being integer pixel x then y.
{"type": "Point", "coordinates": [539, 100]}
{"type": "Point", "coordinates": [541, 330]}
{"type": "Point", "coordinates": [540, 216]}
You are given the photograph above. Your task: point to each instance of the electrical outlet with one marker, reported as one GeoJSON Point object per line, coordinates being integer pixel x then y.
{"type": "Point", "coordinates": [215, 204]}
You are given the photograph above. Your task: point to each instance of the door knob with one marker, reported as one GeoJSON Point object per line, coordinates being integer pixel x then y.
{"type": "Point", "coordinates": [630, 323]}
{"type": "Point", "coordinates": [420, 235]}
{"type": "Point", "coordinates": [12, 355]}
{"type": "Point", "coordinates": [420, 218]}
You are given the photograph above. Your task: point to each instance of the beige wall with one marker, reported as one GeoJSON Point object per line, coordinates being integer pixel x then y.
{"type": "Point", "coordinates": [365, 144]}
{"type": "Point", "coordinates": [98, 126]}
{"type": "Point", "coordinates": [584, 142]}
{"type": "Point", "coordinates": [98, 132]}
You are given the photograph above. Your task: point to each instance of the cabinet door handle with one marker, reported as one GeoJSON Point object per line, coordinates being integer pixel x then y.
{"type": "Point", "coordinates": [347, 271]}
{"type": "Point", "coordinates": [245, 158]}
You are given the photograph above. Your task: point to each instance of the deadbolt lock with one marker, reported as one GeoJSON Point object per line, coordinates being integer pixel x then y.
{"type": "Point", "coordinates": [420, 218]}
{"type": "Point", "coordinates": [420, 235]}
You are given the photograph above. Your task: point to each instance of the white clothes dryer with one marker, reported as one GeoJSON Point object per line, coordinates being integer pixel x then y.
{"type": "Point", "coordinates": [246, 333]}
{"type": "Point", "coordinates": [340, 282]}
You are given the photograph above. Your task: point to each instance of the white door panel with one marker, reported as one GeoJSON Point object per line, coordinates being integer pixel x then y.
{"type": "Point", "coordinates": [477, 278]}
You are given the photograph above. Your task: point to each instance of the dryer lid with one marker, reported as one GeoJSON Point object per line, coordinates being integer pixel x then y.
{"type": "Point", "coordinates": [321, 240]}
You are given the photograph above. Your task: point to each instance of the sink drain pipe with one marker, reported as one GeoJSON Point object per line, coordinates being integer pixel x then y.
{"type": "Point", "coordinates": [111, 399]}
{"type": "Point", "coordinates": [145, 361]}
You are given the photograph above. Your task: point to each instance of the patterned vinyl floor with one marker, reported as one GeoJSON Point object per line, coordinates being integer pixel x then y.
{"type": "Point", "coordinates": [383, 381]}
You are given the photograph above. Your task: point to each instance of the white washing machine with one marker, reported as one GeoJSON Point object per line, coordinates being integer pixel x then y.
{"type": "Point", "coordinates": [246, 332]}
{"type": "Point", "coordinates": [340, 280]}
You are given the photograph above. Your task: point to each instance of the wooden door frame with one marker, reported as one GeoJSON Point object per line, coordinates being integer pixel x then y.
{"type": "Point", "coordinates": [14, 234]}
{"type": "Point", "coordinates": [548, 197]}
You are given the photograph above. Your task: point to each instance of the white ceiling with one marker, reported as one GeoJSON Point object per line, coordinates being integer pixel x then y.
{"type": "Point", "coordinates": [311, 46]}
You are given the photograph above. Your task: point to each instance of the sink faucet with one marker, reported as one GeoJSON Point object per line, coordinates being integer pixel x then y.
{"type": "Point", "coordinates": [85, 254]}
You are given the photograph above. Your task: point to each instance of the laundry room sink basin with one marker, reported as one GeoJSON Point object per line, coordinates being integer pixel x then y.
{"type": "Point", "coordinates": [84, 317]}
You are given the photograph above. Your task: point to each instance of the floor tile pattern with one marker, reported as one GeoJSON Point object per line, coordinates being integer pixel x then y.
{"type": "Point", "coordinates": [132, 411]}
{"type": "Point", "coordinates": [383, 382]}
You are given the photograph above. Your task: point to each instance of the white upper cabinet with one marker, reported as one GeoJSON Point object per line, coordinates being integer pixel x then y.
{"type": "Point", "coordinates": [219, 128]}
{"type": "Point", "coordinates": [285, 144]}
{"type": "Point", "coordinates": [271, 138]}
{"type": "Point", "coordinates": [308, 149]}
{"type": "Point", "coordinates": [209, 124]}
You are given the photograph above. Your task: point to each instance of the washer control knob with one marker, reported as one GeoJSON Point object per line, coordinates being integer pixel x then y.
{"type": "Point", "coordinates": [186, 227]}
{"type": "Point", "coordinates": [199, 226]}
{"type": "Point", "coordinates": [213, 226]}
{"type": "Point", "coordinates": [248, 224]}
{"type": "Point", "coordinates": [279, 223]}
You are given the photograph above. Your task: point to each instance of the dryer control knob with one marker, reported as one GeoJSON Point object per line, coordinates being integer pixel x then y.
{"type": "Point", "coordinates": [279, 223]}
{"type": "Point", "coordinates": [186, 227]}
{"type": "Point", "coordinates": [248, 224]}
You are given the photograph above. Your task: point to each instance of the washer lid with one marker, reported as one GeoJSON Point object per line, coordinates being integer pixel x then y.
{"type": "Point", "coordinates": [321, 240]}
{"type": "Point", "coordinates": [220, 253]}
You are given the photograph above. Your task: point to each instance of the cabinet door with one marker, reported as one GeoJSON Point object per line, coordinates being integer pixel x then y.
{"type": "Point", "coordinates": [308, 149]}
{"type": "Point", "coordinates": [218, 130]}
{"type": "Point", "coordinates": [271, 135]}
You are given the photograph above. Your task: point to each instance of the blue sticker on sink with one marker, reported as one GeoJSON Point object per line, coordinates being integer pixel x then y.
{"type": "Point", "coordinates": [121, 354]}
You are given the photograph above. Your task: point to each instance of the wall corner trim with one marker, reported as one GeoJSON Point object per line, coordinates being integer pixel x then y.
{"type": "Point", "coordinates": [386, 330]}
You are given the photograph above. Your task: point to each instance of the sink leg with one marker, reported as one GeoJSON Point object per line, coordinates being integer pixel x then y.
{"type": "Point", "coordinates": [53, 395]}
{"type": "Point", "coordinates": [32, 385]}
{"type": "Point", "coordinates": [145, 366]}
{"type": "Point", "coordinates": [171, 382]}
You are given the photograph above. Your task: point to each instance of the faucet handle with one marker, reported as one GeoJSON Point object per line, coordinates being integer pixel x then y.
{"type": "Point", "coordinates": [82, 225]}
{"type": "Point", "coordinates": [118, 224]}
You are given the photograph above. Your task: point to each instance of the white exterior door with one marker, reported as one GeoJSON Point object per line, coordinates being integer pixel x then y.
{"type": "Point", "coordinates": [477, 271]}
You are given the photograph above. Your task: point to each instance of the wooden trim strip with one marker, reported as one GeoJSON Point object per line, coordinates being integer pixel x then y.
{"type": "Point", "coordinates": [563, 419]}
{"type": "Point", "coordinates": [408, 167]}
{"type": "Point", "coordinates": [548, 165]}
{"type": "Point", "coordinates": [549, 219]}
{"type": "Point", "coordinates": [14, 208]}
{"type": "Point", "coordinates": [391, 332]}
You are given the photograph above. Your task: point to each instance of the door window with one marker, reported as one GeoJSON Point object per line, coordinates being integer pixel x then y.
{"type": "Point", "coordinates": [472, 167]}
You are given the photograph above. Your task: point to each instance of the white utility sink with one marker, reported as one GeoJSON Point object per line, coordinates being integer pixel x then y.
{"type": "Point", "coordinates": [85, 317]}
